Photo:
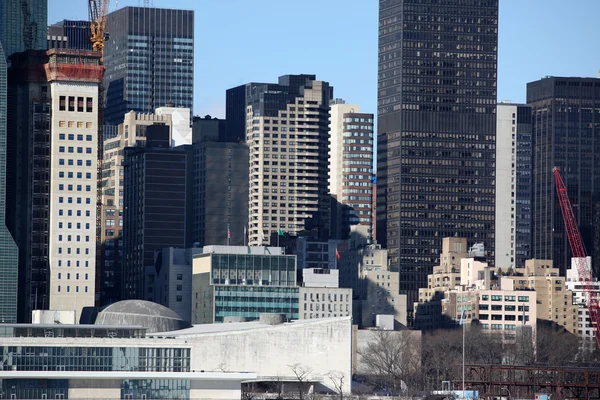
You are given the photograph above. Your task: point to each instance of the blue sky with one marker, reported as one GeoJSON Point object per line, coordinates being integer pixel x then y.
{"type": "Point", "coordinates": [239, 41]}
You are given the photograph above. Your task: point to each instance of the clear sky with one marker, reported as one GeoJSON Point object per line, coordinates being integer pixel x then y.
{"type": "Point", "coordinates": [239, 41]}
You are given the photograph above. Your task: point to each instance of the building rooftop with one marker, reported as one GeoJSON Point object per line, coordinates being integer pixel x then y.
{"type": "Point", "coordinates": [153, 316]}
{"type": "Point", "coordinates": [240, 326]}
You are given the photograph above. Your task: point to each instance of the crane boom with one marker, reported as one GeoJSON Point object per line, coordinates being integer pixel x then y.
{"type": "Point", "coordinates": [578, 251]}
{"type": "Point", "coordinates": [98, 9]}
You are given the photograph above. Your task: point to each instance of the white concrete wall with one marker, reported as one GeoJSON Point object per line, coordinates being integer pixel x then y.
{"type": "Point", "coordinates": [506, 147]}
{"type": "Point", "coordinates": [181, 127]}
{"type": "Point", "coordinates": [320, 345]}
{"type": "Point", "coordinates": [94, 389]}
{"type": "Point", "coordinates": [213, 390]}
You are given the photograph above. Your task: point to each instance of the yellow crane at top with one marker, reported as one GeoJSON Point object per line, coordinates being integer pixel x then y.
{"type": "Point", "coordinates": [98, 9]}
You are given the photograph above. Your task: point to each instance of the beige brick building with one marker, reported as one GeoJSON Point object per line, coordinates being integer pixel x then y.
{"type": "Point", "coordinates": [289, 160]}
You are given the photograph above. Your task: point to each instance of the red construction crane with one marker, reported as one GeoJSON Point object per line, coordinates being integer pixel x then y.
{"type": "Point", "coordinates": [585, 274]}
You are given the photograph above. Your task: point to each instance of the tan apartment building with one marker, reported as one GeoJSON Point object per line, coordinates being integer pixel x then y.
{"type": "Point", "coordinates": [554, 301]}
{"type": "Point", "coordinates": [382, 297]}
{"type": "Point", "coordinates": [288, 142]}
{"type": "Point", "coordinates": [351, 144]}
{"type": "Point", "coordinates": [445, 277]}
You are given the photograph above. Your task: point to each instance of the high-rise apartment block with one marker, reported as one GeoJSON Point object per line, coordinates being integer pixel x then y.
{"type": "Point", "coordinates": [149, 59]}
{"type": "Point", "coordinates": [565, 125]}
{"type": "Point", "coordinates": [154, 206]}
{"type": "Point", "coordinates": [53, 175]}
{"type": "Point", "coordinates": [131, 133]}
{"type": "Point", "coordinates": [23, 25]}
{"type": "Point", "coordinates": [514, 170]}
{"type": "Point", "coordinates": [436, 130]}
{"type": "Point", "coordinates": [351, 168]}
{"type": "Point", "coordinates": [69, 34]}
{"type": "Point", "coordinates": [287, 129]}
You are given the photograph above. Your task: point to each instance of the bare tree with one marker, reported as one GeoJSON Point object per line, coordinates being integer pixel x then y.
{"type": "Point", "coordinates": [248, 391]}
{"type": "Point", "coordinates": [337, 378]}
{"type": "Point", "coordinates": [394, 359]}
{"type": "Point", "coordinates": [302, 374]}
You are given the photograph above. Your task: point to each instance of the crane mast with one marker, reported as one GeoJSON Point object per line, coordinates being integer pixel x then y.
{"type": "Point", "coordinates": [98, 9]}
{"type": "Point", "coordinates": [578, 251]}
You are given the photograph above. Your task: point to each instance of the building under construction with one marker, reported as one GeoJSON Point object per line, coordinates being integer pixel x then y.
{"type": "Point", "coordinates": [52, 161]}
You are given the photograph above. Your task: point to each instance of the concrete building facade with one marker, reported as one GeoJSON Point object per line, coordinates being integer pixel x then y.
{"type": "Point", "coordinates": [554, 300]}
{"type": "Point", "coordinates": [181, 124]}
{"type": "Point", "coordinates": [585, 328]}
{"type": "Point", "coordinates": [287, 135]}
{"type": "Point", "coordinates": [351, 148]}
{"type": "Point", "coordinates": [169, 280]}
{"type": "Point", "coordinates": [514, 171]}
{"type": "Point", "coordinates": [321, 297]}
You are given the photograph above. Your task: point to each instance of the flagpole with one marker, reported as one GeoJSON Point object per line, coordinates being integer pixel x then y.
{"type": "Point", "coordinates": [463, 359]}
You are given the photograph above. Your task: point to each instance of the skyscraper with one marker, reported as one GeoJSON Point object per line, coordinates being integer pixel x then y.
{"type": "Point", "coordinates": [132, 132]}
{"type": "Point", "coordinates": [149, 61]}
{"type": "Point", "coordinates": [351, 147]}
{"type": "Point", "coordinates": [8, 248]}
{"type": "Point", "coordinates": [218, 187]}
{"type": "Point", "coordinates": [154, 206]}
{"type": "Point", "coordinates": [23, 25]}
{"type": "Point", "coordinates": [69, 34]}
{"type": "Point", "coordinates": [52, 176]}
{"type": "Point", "coordinates": [514, 167]}
{"type": "Point", "coordinates": [288, 136]}
{"type": "Point", "coordinates": [566, 134]}
{"type": "Point", "coordinates": [436, 130]}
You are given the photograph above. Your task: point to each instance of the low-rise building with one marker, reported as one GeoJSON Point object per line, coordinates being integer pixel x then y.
{"type": "Point", "coordinates": [321, 297]}
{"type": "Point", "coordinates": [169, 280]}
{"type": "Point", "coordinates": [585, 329]}
{"type": "Point", "coordinates": [241, 281]}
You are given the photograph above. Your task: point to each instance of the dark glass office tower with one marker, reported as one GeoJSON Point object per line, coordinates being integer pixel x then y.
{"type": "Point", "coordinates": [8, 248]}
{"type": "Point", "coordinates": [436, 130]}
{"type": "Point", "coordinates": [154, 206]}
{"type": "Point", "coordinates": [149, 59]}
{"type": "Point", "coordinates": [566, 131]}
{"type": "Point", "coordinates": [69, 34]}
{"type": "Point", "coordinates": [23, 25]}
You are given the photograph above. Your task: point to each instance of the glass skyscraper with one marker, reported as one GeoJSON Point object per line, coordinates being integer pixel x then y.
{"type": "Point", "coordinates": [149, 61]}
{"type": "Point", "coordinates": [566, 134]}
{"type": "Point", "coordinates": [436, 130]}
{"type": "Point", "coordinates": [8, 248]}
{"type": "Point", "coordinates": [23, 25]}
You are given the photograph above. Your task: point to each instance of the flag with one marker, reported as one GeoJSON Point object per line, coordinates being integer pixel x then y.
{"type": "Point", "coordinates": [245, 232]}
{"type": "Point", "coordinates": [280, 232]}
{"type": "Point", "coordinates": [228, 232]}
{"type": "Point", "coordinates": [263, 235]}
{"type": "Point", "coordinates": [337, 254]}
{"type": "Point", "coordinates": [462, 316]}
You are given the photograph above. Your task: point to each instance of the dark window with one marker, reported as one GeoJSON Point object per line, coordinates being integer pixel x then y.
{"type": "Point", "coordinates": [62, 103]}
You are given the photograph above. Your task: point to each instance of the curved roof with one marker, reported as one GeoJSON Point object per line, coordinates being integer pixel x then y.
{"type": "Point", "coordinates": [152, 316]}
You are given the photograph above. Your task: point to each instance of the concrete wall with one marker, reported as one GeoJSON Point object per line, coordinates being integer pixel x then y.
{"type": "Point", "coordinates": [321, 302]}
{"type": "Point", "coordinates": [322, 346]}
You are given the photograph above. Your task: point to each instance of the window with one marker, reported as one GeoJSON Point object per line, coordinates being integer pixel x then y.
{"type": "Point", "coordinates": [71, 108]}
{"type": "Point", "coordinates": [62, 106]}
{"type": "Point", "coordinates": [88, 138]}
{"type": "Point", "coordinates": [89, 105]}
{"type": "Point", "coordinates": [524, 298]}
{"type": "Point", "coordinates": [80, 104]}
{"type": "Point", "coordinates": [179, 298]}
{"type": "Point", "coordinates": [179, 277]}
{"type": "Point", "coordinates": [61, 136]}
